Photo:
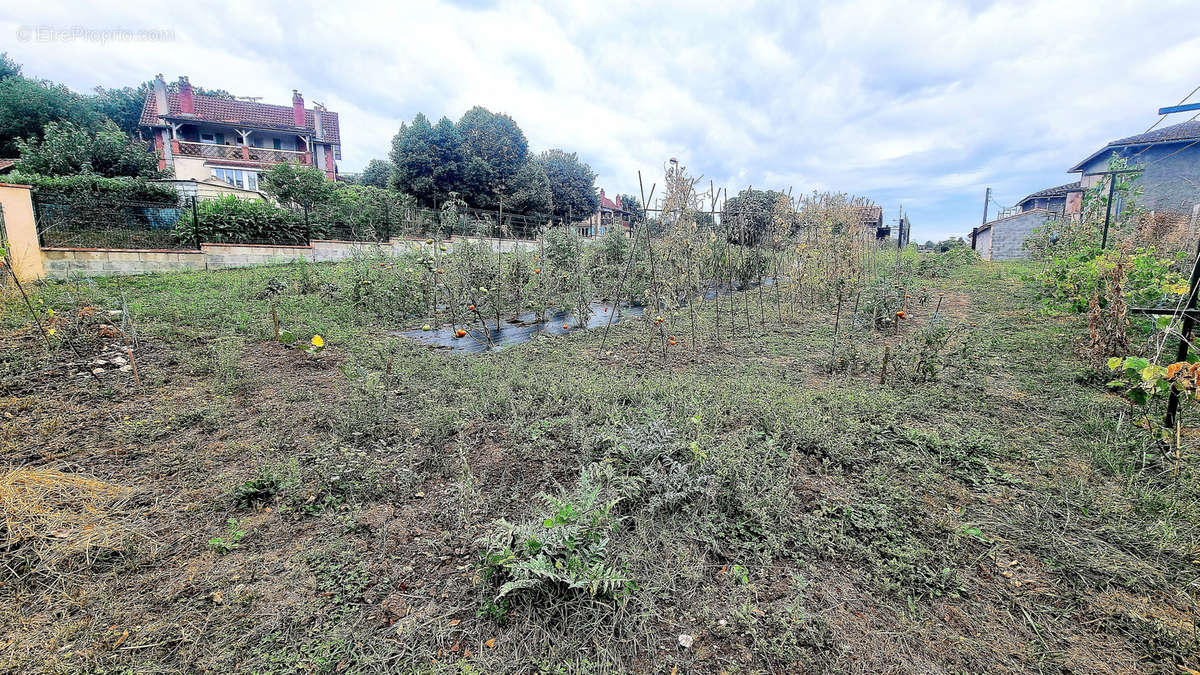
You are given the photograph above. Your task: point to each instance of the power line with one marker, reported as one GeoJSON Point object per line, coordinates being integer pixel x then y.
{"type": "Point", "coordinates": [1160, 119]}
{"type": "Point", "coordinates": [1149, 145]}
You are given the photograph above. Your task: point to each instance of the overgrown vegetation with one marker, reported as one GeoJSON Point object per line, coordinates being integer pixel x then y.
{"type": "Point", "coordinates": [842, 458]}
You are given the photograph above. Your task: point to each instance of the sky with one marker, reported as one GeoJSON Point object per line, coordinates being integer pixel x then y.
{"type": "Point", "coordinates": [915, 105]}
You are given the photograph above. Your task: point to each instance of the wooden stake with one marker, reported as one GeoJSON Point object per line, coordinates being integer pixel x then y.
{"type": "Point", "coordinates": [137, 378]}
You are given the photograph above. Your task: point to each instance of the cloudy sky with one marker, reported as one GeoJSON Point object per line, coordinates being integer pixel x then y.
{"type": "Point", "coordinates": [920, 104]}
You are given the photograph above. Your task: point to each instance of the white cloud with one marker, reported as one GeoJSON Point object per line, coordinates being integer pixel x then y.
{"type": "Point", "coordinates": [920, 103]}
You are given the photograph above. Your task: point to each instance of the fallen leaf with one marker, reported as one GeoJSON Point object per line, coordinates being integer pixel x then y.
{"type": "Point", "coordinates": [121, 639]}
{"type": "Point", "coordinates": [455, 622]}
{"type": "Point", "coordinates": [491, 643]}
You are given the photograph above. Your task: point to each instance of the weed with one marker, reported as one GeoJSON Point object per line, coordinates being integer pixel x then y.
{"type": "Point", "coordinates": [566, 552]}
{"type": "Point", "coordinates": [226, 544]}
{"type": "Point", "coordinates": [268, 483]}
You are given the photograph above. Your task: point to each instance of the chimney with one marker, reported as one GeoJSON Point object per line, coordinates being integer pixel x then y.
{"type": "Point", "coordinates": [318, 109]}
{"type": "Point", "coordinates": [297, 108]}
{"type": "Point", "coordinates": [187, 102]}
{"type": "Point", "coordinates": [160, 96]}
{"type": "Point", "coordinates": [601, 194]}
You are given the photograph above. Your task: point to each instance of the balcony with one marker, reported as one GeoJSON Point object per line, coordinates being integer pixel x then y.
{"type": "Point", "coordinates": [239, 153]}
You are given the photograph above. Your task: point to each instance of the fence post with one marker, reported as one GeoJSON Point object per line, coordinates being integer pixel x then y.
{"type": "Point", "coordinates": [37, 219]}
{"type": "Point", "coordinates": [196, 222]}
{"type": "Point", "coordinates": [307, 229]}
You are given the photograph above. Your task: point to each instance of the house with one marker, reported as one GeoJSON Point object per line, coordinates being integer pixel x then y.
{"type": "Point", "coordinates": [234, 140]}
{"type": "Point", "coordinates": [610, 214]}
{"type": "Point", "coordinates": [1003, 238]}
{"type": "Point", "coordinates": [209, 188]}
{"type": "Point", "coordinates": [1169, 180]}
{"type": "Point", "coordinates": [874, 228]}
{"type": "Point", "coordinates": [1169, 159]}
{"type": "Point", "coordinates": [7, 165]}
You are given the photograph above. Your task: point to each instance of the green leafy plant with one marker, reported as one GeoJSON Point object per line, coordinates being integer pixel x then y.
{"type": "Point", "coordinates": [229, 542]}
{"type": "Point", "coordinates": [565, 551]}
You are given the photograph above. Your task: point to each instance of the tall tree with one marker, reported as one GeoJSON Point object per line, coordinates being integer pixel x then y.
{"type": "Point", "coordinates": [428, 160]}
{"type": "Point", "coordinates": [8, 67]}
{"type": "Point", "coordinates": [66, 148]}
{"type": "Point", "coordinates": [300, 186]}
{"type": "Point", "coordinates": [26, 106]}
{"type": "Point", "coordinates": [634, 206]}
{"type": "Point", "coordinates": [530, 191]}
{"type": "Point", "coordinates": [496, 149]}
{"type": "Point", "coordinates": [572, 184]}
{"type": "Point", "coordinates": [123, 106]}
{"type": "Point", "coordinates": [376, 174]}
{"type": "Point", "coordinates": [748, 215]}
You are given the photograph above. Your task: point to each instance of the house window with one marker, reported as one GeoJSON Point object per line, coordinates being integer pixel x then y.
{"type": "Point", "coordinates": [247, 180]}
{"type": "Point", "coordinates": [208, 138]}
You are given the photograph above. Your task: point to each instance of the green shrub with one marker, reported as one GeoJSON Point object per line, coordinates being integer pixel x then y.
{"type": "Point", "coordinates": [945, 264]}
{"type": "Point", "coordinates": [362, 212]}
{"type": "Point", "coordinates": [90, 188]}
{"type": "Point", "coordinates": [1071, 278]}
{"type": "Point", "coordinates": [233, 220]}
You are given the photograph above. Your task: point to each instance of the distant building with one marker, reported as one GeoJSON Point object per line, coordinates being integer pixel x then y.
{"type": "Point", "coordinates": [202, 137]}
{"type": "Point", "coordinates": [1003, 238]}
{"type": "Point", "coordinates": [609, 215]}
{"type": "Point", "coordinates": [1169, 159]}
{"type": "Point", "coordinates": [871, 218]}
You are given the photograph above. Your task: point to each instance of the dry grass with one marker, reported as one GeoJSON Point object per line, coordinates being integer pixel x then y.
{"type": "Point", "coordinates": [52, 516]}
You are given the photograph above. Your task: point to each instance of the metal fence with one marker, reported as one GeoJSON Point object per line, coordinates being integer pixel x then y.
{"type": "Point", "coordinates": [381, 222]}
{"type": "Point", "coordinates": [183, 224]}
{"type": "Point", "coordinates": [105, 223]}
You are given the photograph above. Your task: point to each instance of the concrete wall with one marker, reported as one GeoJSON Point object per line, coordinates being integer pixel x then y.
{"type": "Point", "coordinates": [1003, 239]}
{"type": "Point", "coordinates": [191, 168]}
{"type": "Point", "coordinates": [983, 243]}
{"type": "Point", "coordinates": [31, 262]}
{"type": "Point", "coordinates": [1170, 182]}
{"type": "Point", "coordinates": [62, 263]}
{"type": "Point", "coordinates": [218, 256]}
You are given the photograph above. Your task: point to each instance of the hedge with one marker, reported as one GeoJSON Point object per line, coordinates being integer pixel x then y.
{"type": "Point", "coordinates": [89, 188]}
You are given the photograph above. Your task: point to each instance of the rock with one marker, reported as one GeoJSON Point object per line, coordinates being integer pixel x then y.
{"type": "Point", "coordinates": [97, 371]}
{"type": "Point", "coordinates": [119, 360]}
{"type": "Point", "coordinates": [686, 640]}
{"type": "Point", "coordinates": [126, 369]}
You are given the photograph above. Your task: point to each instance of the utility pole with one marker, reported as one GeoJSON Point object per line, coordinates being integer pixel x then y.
{"type": "Point", "coordinates": [987, 198]}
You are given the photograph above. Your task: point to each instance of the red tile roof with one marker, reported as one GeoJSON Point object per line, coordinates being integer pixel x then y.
{"type": "Point", "coordinates": [249, 113]}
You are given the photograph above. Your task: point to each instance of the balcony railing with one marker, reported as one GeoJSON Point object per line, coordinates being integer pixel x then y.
{"type": "Point", "coordinates": [234, 152]}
